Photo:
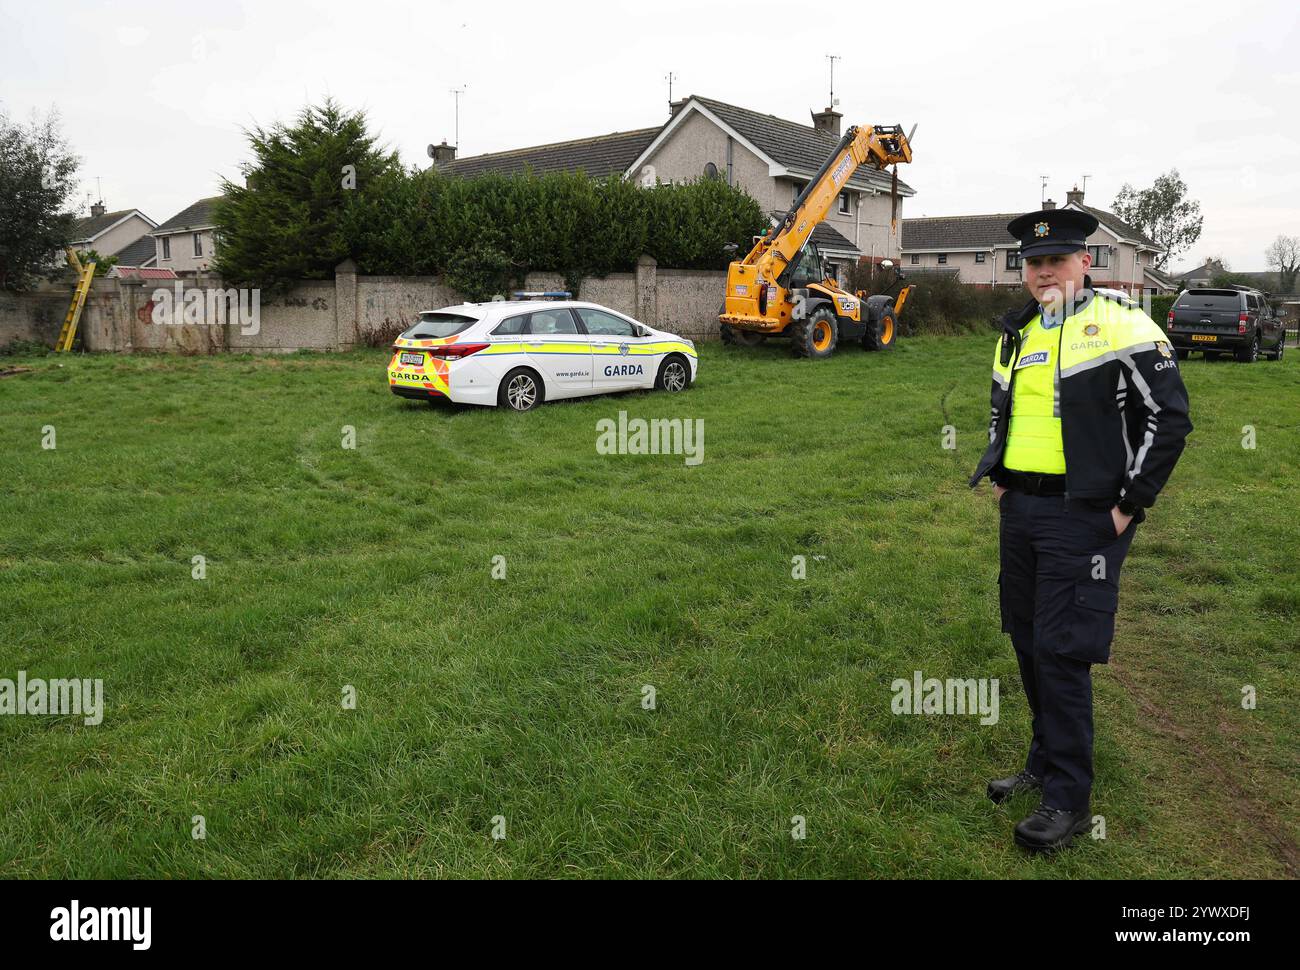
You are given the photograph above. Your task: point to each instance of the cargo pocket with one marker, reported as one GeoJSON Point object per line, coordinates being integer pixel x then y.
{"type": "Point", "coordinates": [1092, 622]}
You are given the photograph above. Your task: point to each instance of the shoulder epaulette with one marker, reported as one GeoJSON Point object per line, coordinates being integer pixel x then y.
{"type": "Point", "coordinates": [1116, 296]}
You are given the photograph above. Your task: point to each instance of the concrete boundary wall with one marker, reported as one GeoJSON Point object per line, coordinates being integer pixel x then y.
{"type": "Point", "coordinates": [124, 316]}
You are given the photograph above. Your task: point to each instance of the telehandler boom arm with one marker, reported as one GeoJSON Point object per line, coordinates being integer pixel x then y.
{"type": "Point", "coordinates": [875, 145]}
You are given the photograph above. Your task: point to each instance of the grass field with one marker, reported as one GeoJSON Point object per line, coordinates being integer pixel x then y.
{"type": "Point", "coordinates": [522, 697]}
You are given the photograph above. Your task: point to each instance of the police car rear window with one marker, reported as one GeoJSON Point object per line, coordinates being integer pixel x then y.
{"type": "Point", "coordinates": [433, 325]}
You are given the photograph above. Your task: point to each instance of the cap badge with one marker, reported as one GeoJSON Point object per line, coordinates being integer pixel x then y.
{"type": "Point", "coordinates": [1041, 229]}
{"type": "Point", "coordinates": [1091, 329]}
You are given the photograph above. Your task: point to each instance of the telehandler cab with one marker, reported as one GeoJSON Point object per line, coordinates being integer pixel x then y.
{"type": "Point", "coordinates": [781, 288]}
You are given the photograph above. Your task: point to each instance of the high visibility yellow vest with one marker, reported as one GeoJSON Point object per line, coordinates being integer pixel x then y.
{"type": "Point", "coordinates": [1109, 325]}
{"type": "Point", "coordinates": [1034, 442]}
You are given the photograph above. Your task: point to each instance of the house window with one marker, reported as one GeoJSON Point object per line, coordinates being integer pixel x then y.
{"type": "Point", "coordinates": [1100, 256]}
{"type": "Point", "coordinates": [710, 171]}
{"type": "Point", "coordinates": [1013, 259]}
{"type": "Point", "coordinates": [198, 244]}
{"type": "Point", "coordinates": [943, 259]}
{"type": "Point", "coordinates": [846, 207]}
{"type": "Point", "coordinates": [916, 258]}
{"type": "Point", "coordinates": [979, 257]}
{"type": "Point", "coordinates": [167, 247]}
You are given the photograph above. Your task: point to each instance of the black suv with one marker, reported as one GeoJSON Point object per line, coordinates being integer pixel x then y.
{"type": "Point", "coordinates": [1239, 320]}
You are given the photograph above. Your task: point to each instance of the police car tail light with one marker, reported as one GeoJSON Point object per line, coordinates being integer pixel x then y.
{"type": "Point", "coordinates": [455, 351]}
{"type": "Point", "coordinates": [1170, 319]}
{"type": "Point", "coordinates": [1241, 323]}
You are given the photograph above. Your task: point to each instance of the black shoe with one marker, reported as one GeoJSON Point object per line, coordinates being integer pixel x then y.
{"type": "Point", "coordinates": [1000, 789]}
{"type": "Point", "coordinates": [1047, 829]}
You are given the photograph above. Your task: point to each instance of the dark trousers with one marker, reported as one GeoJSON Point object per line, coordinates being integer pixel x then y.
{"type": "Point", "coordinates": [1059, 589]}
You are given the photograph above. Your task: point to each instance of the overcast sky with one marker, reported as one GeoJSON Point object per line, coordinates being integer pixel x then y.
{"type": "Point", "coordinates": [154, 96]}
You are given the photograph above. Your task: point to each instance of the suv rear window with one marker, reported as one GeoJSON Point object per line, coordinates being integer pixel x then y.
{"type": "Point", "coordinates": [434, 325]}
{"type": "Point", "coordinates": [1209, 301]}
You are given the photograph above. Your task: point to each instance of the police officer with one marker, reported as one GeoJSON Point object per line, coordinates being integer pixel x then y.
{"type": "Point", "coordinates": [1089, 416]}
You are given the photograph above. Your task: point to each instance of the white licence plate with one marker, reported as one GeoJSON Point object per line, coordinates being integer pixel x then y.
{"type": "Point", "coordinates": [414, 359]}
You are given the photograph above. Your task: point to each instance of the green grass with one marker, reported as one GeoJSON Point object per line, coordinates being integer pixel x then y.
{"type": "Point", "coordinates": [522, 698]}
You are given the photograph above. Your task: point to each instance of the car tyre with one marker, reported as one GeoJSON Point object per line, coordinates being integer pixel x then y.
{"type": "Point", "coordinates": [674, 374]}
{"type": "Point", "coordinates": [1276, 353]}
{"type": "Point", "coordinates": [1250, 354]}
{"type": "Point", "coordinates": [1182, 354]}
{"type": "Point", "coordinates": [521, 390]}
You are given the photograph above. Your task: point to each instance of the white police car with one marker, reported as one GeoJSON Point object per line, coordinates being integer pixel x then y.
{"type": "Point", "coordinates": [520, 353]}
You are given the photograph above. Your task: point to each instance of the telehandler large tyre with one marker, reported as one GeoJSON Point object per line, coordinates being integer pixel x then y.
{"type": "Point", "coordinates": [883, 331]}
{"type": "Point", "coordinates": [816, 335]}
{"type": "Point", "coordinates": [740, 338]}
{"type": "Point", "coordinates": [737, 337]}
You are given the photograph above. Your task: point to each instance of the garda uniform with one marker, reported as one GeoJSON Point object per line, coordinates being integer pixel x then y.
{"type": "Point", "coordinates": [1088, 412]}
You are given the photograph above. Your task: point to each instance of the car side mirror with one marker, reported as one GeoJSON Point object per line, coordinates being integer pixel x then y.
{"type": "Point", "coordinates": [642, 330]}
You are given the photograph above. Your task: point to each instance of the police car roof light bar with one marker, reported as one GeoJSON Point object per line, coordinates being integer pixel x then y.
{"type": "Point", "coordinates": [542, 295]}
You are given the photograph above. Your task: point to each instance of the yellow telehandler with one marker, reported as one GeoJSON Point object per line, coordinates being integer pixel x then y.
{"type": "Point", "coordinates": [781, 288]}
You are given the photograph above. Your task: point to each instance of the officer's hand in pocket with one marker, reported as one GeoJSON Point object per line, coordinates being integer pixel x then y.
{"type": "Point", "coordinates": [998, 490]}
{"type": "Point", "coordinates": [1120, 519]}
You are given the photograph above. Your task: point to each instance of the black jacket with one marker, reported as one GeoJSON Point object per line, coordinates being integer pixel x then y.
{"type": "Point", "coordinates": [1122, 403]}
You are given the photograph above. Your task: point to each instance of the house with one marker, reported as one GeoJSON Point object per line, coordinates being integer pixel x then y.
{"type": "Point", "coordinates": [110, 233]}
{"type": "Point", "coordinates": [771, 158]}
{"type": "Point", "coordinates": [187, 242]}
{"type": "Point", "coordinates": [1202, 275]}
{"type": "Point", "coordinates": [140, 254]}
{"type": "Point", "coordinates": [1207, 272]}
{"type": "Point", "coordinates": [985, 254]}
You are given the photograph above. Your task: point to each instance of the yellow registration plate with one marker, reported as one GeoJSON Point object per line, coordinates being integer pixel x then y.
{"type": "Point", "coordinates": [1209, 338]}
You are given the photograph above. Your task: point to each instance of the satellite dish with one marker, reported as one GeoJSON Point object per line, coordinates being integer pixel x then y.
{"type": "Point", "coordinates": [648, 177]}
{"type": "Point", "coordinates": [430, 150]}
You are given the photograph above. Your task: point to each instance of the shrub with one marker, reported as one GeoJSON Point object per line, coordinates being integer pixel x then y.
{"type": "Point", "coordinates": [298, 217]}
{"type": "Point", "coordinates": [1160, 307]}
{"type": "Point", "coordinates": [939, 302]}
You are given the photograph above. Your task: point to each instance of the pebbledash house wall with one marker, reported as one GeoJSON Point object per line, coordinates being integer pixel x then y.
{"type": "Point", "coordinates": [348, 311]}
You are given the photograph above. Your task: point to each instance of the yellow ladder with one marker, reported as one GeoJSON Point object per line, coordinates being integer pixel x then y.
{"type": "Point", "coordinates": [86, 274]}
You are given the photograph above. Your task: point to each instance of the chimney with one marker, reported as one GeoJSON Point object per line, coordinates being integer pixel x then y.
{"type": "Point", "coordinates": [676, 106]}
{"type": "Point", "coordinates": [828, 121]}
{"type": "Point", "coordinates": [1074, 196]}
{"type": "Point", "coordinates": [442, 154]}
{"type": "Point", "coordinates": [98, 209]}
{"type": "Point", "coordinates": [1049, 204]}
